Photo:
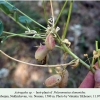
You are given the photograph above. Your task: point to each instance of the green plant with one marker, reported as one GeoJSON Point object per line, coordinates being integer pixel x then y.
{"type": "Point", "coordinates": [49, 35]}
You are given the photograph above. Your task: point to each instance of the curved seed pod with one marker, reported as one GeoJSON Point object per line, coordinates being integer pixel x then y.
{"type": "Point", "coordinates": [64, 80]}
{"type": "Point", "coordinates": [41, 52]}
{"type": "Point", "coordinates": [50, 42]}
{"type": "Point", "coordinates": [53, 80]}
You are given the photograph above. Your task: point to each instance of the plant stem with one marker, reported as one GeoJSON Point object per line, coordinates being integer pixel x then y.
{"type": "Point", "coordinates": [21, 35]}
{"type": "Point", "coordinates": [35, 65]}
{"type": "Point", "coordinates": [24, 33]}
{"type": "Point", "coordinates": [18, 22]}
{"type": "Point", "coordinates": [9, 33]}
{"type": "Point", "coordinates": [52, 8]}
{"type": "Point", "coordinates": [66, 49]}
{"type": "Point", "coordinates": [15, 20]}
{"type": "Point", "coordinates": [96, 45]}
{"type": "Point", "coordinates": [68, 19]}
{"type": "Point", "coordinates": [32, 19]}
{"type": "Point", "coordinates": [45, 14]}
{"type": "Point", "coordinates": [74, 56]}
{"type": "Point", "coordinates": [97, 51]}
{"type": "Point", "coordinates": [59, 47]}
{"type": "Point", "coordinates": [61, 12]}
{"type": "Point", "coordinates": [93, 60]}
{"type": "Point", "coordinates": [24, 36]}
{"type": "Point", "coordinates": [28, 17]}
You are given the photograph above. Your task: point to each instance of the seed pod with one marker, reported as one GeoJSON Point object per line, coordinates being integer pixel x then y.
{"type": "Point", "coordinates": [64, 80]}
{"type": "Point", "coordinates": [53, 80]}
{"type": "Point", "coordinates": [50, 42]}
{"type": "Point", "coordinates": [41, 53]}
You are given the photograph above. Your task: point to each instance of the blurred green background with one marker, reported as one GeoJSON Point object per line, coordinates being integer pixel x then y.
{"type": "Point", "coordinates": [83, 31]}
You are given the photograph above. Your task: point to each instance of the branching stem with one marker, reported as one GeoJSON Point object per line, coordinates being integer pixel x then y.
{"type": "Point", "coordinates": [61, 12]}
{"type": "Point", "coordinates": [29, 17]}
{"type": "Point", "coordinates": [21, 25]}
{"type": "Point", "coordinates": [35, 65]}
{"type": "Point", "coordinates": [22, 35]}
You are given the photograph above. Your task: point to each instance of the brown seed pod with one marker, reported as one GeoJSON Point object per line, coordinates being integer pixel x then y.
{"type": "Point", "coordinates": [50, 42]}
{"type": "Point", "coordinates": [41, 53]}
{"type": "Point", "coordinates": [64, 80]}
{"type": "Point", "coordinates": [53, 80]}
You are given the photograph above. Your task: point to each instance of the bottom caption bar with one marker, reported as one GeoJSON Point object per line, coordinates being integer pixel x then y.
{"type": "Point", "coordinates": [49, 93]}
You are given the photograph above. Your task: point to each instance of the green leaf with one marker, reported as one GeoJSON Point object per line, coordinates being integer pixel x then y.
{"type": "Point", "coordinates": [24, 19]}
{"type": "Point", "coordinates": [1, 27]}
{"type": "Point", "coordinates": [7, 8]}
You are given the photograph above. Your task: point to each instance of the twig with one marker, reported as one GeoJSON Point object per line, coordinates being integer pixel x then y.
{"type": "Point", "coordinates": [28, 17]}
{"type": "Point", "coordinates": [23, 35]}
{"type": "Point", "coordinates": [15, 20]}
{"type": "Point", "coordinates": [61, 12]}
{"type": "Point", "coordinates": [68, 19]}
{"type": "Point", "coordinates": [45, 14]}
{"type": "Point", "coordinates": [51, 8]}
{"type": "Point", "coordinates": [52, 11]}
{"type": "Point", "coordinates": [35, 65]}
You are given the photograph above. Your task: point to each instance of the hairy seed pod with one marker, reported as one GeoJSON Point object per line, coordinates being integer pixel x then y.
{"type": "Point", "coordinates": [50, 42]}
{"type": "Point", "coordinates": [64, 80]}
{"type": "Point", "coordinates": [41, 53]}
{"type": "Point", "coordinates": [53, 80]}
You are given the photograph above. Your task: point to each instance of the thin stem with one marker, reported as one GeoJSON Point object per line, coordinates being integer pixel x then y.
{"type": "Point", "coordinates": [68, 19]}
{"type": "Point", "coordinates": [29, 17]}
{"type": "Point", "coordinates": [35, 65]}
{"type": "Point", "coordinates": [32, 19]}
{"type": "Point", "coordinates": [52, 11]}
{"type": "Point", "coordinates": [51, 8]}
{"type": "Point", "coordinates": [61, 12]}
{"type": "Point", "coordinates": [21, 35]}
{"type": "Point", "coordinates": [96, 45]}
{"type": "Point", "coordinates": [18, 23]}
{"type": "Point", "coordinates": [66, 49]}
{"type": "Point", "coordinates": [88, 59]}
{"type": "Point", "coordinates": [15, 20]}
{"type": "Point", "coordinates": [97, 51]}
{"type": "Point", "coordinates": [25, 36]}
{"type": "Point", "coordinates": [45, 14]}
{"type": "Point", "coordinates": [93, 60]}
{"type": "Point", "coordinates": [74, 56]}
{"type": "Point", "coordinates": [59, 47]}
{"type": "Point", "coordinates": [10, 33]}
